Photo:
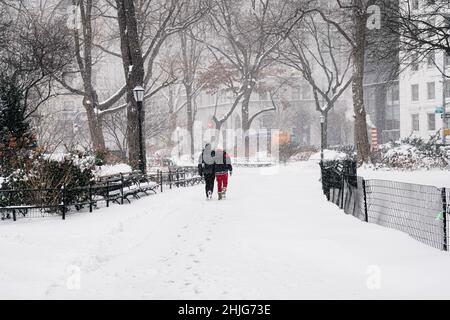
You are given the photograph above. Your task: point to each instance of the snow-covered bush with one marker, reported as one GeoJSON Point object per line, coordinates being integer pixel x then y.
{"type": "Point", "coordinates": [287, 150]}
{"type": "Point", "coordinates": [50, 173]}
{"type": "Point", "coordinates": [413, 154]}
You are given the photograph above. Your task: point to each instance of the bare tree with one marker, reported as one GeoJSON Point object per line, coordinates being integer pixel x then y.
{"type": "Point", "coordinates": [350, 20]}
{"type": "Point", "coordinates": [115, 127]}
{"type": "Point", "coordinates": [319, 52]}
{"type": "Point", "coordinates": [191, 55]}
{"type": "Point", "coordinates": [220, 77]}
{"type": "Point", "coordinates": [245, 36]}
{"type": "Point", "coordinates": [421, 32]}
{"type": "Point", "coordinates": [141, 41]}
{"type": "Point", "coordinates": [86, 55]}
{"type": "Point", "coordinates": [35, 49]}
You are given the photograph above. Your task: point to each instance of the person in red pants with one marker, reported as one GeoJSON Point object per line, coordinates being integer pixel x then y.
{"type": "Point", "coordinates": [222, 166]}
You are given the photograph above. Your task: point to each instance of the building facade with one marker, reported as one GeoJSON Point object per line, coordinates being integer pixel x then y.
{"type": "Point", "coordinates": [423, 88]}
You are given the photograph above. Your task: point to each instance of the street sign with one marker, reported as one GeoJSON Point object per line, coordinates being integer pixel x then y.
{"type": "Point", "coordinates": [439, 110]}
{"type": "Point", "coordinates": [447, 116]}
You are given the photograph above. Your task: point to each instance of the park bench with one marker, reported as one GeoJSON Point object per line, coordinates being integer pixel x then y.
{"type": "Point", "coordinates": [184, 178]}
{"type": "Point", "coordinates": [121, 187]}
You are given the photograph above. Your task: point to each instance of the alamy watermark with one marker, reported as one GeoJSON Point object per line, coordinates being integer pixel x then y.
{"type": "Point", "coordinates": [73, 281]}
{"type": "Point", "coordinates": [255, 143]}
{"type": "Point", "coordinates": [374, 277]}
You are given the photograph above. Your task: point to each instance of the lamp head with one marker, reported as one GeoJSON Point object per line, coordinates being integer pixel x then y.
{"type": "Point", "coordinates": [139, 93]}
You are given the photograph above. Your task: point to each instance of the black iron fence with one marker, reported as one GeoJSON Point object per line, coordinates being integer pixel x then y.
{"type": "Point", "coordinates": [120, 188]}
{"type": "Point", "coordinates": [418, 210]}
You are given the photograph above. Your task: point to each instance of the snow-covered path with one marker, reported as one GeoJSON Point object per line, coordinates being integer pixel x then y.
{"type": "Point", "coordinates": [274, 237]}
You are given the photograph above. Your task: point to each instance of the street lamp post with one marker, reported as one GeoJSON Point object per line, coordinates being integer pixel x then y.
{"type": "Point", "coordinates": [139, 97]}
{"type": "Point", "coordinates": [322, 123]}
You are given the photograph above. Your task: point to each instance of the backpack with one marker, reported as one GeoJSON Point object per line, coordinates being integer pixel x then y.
{"type": "Point", "coordinates": [208, 168]}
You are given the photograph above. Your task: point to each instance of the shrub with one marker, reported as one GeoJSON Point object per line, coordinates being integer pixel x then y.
{"type": "Point", "coordinates": [413, 153]}
{"type": "Point", "coordinates": [50, 175]}
{"type": "Point", "coordinates": [287, 150]}
{"type": "Point", "coordinates": [16, 137]}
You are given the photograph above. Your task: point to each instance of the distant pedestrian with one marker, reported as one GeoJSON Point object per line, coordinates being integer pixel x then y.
{"type": "Point", "coordinates": [222, 165]}
{"type": "Point", "coordinates": [206, 169]}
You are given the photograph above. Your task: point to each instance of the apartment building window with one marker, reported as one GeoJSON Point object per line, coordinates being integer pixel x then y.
{"type": "Point", "coordinates": [447, 59]}
{"type": "Point", "coordinates": [431, 121]}
{"type": "Point", "coordinates": [415, 122]}
{"type": "Point", "coordinates": [431, 90]}
{"type": "Point", "coordinates": [414, 62]}
{"type": "Point", "coordinates": [295, 93]}
{"type": "Point", "coordinates": [68, 106]}
{"type": "Point", "coordinates": [263, 96]}
{"type": "Point", "coordinates": [447, 88]}
{"type": "Point", "coordinates": [393, 94]}
{"type": "Point", "coordinates": [392, 117]}
{"type": "Point", "coordinates": [430, 59]}
{"type": "Point", "coordinates": [211, 99]}
{"type": "Point", "coordinates": [415, 92]}
{"type": "Point", "coordinates": [68, 110]}
{"type": "Point", "coordinates": [306, 92]}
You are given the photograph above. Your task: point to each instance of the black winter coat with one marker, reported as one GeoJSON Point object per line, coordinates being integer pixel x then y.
{"type": "Point", "coordinates": [206, 163]}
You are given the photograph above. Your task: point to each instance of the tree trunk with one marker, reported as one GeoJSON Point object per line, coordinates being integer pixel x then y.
{"type": "Point", "coordinates": [362, 139]}
{"type": "Point", "coordinates": [190, 117]}
{"type": "Point", "coordinates": [95, 129]}
{"type": "Point", "coordinates": [246, 120]}
{"type": "Point", "coordinates": [325, 130]}
{"type": "Point", "coordinates": [132, 57]}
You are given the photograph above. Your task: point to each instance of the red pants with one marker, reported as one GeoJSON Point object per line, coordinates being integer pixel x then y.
{"type": "Point", "coordinates": [222, 181]}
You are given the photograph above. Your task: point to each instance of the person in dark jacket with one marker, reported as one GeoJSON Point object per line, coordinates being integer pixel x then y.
{"type": "Point", "coordinates": [206, 169]}
{"type": "Point", "coordinates": [222, 166]}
